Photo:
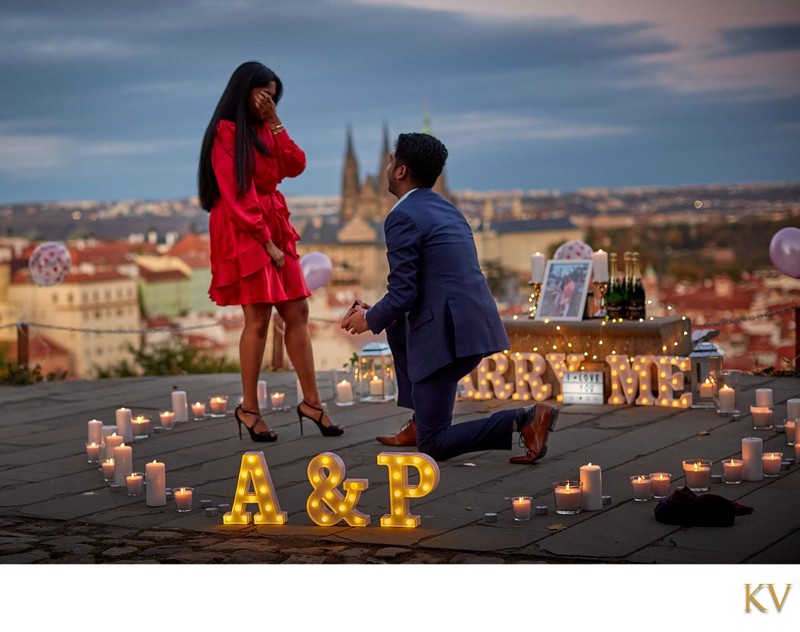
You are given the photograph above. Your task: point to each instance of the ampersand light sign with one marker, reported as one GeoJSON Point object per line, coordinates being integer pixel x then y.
{"type": "Point", "coordinates": [400, 491]}
{"type": "Point", "coordinates": [326, 505]}
{"type": "Point", "coordinates": [254, 474]}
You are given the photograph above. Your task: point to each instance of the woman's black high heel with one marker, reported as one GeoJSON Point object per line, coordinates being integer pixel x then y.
{"type": "Point", "coordinates": [267, 436]}
{"type": "Point", "coordinates": [327, 431]}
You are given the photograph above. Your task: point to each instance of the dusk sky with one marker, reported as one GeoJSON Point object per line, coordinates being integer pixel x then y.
{"type": "Point", "coordinates": [109, 100]}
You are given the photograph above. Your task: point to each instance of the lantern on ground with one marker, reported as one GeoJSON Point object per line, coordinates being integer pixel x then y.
{"type": "Point", "coordinates": [706, 365]}
{"type": "Point", "coordinates": [375, 377]}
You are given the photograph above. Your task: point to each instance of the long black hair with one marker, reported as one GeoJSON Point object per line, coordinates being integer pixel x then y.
{"type": "Point", "coordinates": [233, 106]}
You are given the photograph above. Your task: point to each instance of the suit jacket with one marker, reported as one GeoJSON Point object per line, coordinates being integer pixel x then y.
{"type": "Point", "coordinates": [436, 283]}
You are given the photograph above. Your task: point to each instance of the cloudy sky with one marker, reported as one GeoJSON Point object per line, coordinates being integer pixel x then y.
{"type": "Point", "coordinates": [105, 100]}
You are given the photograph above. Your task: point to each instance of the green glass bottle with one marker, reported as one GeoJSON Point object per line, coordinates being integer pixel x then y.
{"type": "Point", "coordinates": [614, 295]}
{"type": "Point", "coordinates": [637, 305]}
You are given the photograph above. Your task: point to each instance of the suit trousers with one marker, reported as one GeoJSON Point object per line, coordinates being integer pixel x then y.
{"type": "Point", "coordinates": [432, 400]}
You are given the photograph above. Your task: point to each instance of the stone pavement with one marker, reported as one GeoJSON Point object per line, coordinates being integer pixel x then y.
{"type": "Point", "coordinates": [56, 508]}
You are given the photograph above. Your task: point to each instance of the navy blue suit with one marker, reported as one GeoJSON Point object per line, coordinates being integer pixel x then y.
{"type": "Point", "coordinates": [441, 320]}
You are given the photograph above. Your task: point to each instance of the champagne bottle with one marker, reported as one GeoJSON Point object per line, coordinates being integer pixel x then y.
{"type": "Point", "coordinates": [614, 295]}
{"type": "Point", "coordinates": [637, 304]}
{"type": "Point", "coordinates": [626, 286]}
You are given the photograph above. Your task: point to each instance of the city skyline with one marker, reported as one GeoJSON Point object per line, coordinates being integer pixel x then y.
{"type": "Point", "coordinates": [107, 102]}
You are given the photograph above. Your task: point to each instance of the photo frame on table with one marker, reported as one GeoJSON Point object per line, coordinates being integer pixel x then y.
{"type": "Point", "coordinates": [564, 290]}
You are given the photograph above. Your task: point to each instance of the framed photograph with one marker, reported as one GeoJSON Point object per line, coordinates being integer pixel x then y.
{"type": "Point", "coordinates": [564, 290]}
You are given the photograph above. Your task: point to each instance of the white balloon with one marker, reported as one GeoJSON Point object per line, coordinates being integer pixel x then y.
{"type": "Point", "coordinates": [49, 264]}
{"type": "Point", "coordinates": [317, 269]}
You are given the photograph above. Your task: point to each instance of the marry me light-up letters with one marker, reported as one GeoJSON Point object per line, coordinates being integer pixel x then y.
{"type": "Point", "coordinates": [326, 505]}
{"type": "Point", "coordinates": [644, 380]}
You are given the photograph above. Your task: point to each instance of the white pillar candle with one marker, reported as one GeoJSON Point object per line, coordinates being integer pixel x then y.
{"type": "Point", "coordinates": [641, 487]}
{"type": "Point", "coordinates": [124, 426]}
{"type": "Point", "coordinates": [95, 431]}
{"type": "Point", "coordinates": [567, 497]}
{"type": "Point", "coordinates": [522, 508]}
{"type": "Point", "coordinates": [537, 267]}
{"type": "Point", "coordinates": [277, 399]}
{"type": "Point", "coordinates": [134, 483]}
{"type": "Point", "coordinates": [752, 450]}
{"type": "Point", "coordinates": [600, 269]}
{"type": "Point", "coordinates": [732, 471]}
{"type": "Point", "coordinates": [659, 484]}
{"type": "Point", "coordinates": [727, 399]}
{"type": "Point", "coordinates": [155, 474]}
{"type": "Point", "coordinates": [167, 418]}
{"type": "Point", "coordinates": [180, 406]}
{"type": "Point", "coordinates": [107, 432]}
{"type": "Point", "coordinates": [199, 410]}
{"type": "Point", "coordinates": [707, 389]}
{"type": "Point", "coordinates": [764, 397]}
{"type": "Point", "coordinates": [261, 392]}
{"type": "Point", "coordinates": [123, 463]}
{"type": "Point", "coordinates": [183, 499]}
{"type": "Point", "coordinates": [376, 387]}
{"type": "Point", "coordinates": [793, 409]}
{"type": "Point", "coordinates": [112, 441]}
{"type": "Point", "coordinates": [344, 392]}
{"type": "Point", "coordinates": [592, 487]}
{"type": "Point", "coordinates": [771, 463]}
{"type": "Point", "coordinates": [790, 428]}
{"type": "Point", "coordinates": [697, 473]}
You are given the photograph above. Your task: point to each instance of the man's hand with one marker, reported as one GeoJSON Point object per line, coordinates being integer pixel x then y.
{"type": "Point", "coordinates": [355, 321]}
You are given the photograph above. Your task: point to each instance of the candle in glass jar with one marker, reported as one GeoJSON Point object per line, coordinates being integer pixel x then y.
{"type": "Point", "coordinates": [659, 484]}
{"type": "Point", "coordinates": [134, 483]}
{"type": "Point", "coordinates": [764, 397]}
{"type": "Point", "coordinates": [376, 387]}
{"type": "Point", "coordinates": [790, 428]}
{"type": "Point", "coordinates": [698, 474]}
{"type": "Point", "coordinates": [155, 474]}
{"type": "Point", "coordinates": [124, 426]}
{"type": "Point", "coordinates": [183, 499]}
{"type": "Point", "coordinates": [179, 406]}
{"type": "Point", "coordinates": [93, 452]}
{"type": "Point", "coordinates": [537, 267]}
{"type": "Point", "coordinates": [218, 404]}
{"type": "Point", "coordinates": [771, 462]}
{"type": "Point", "coordinates": [567, 497]}
{"type": "Point", "coordinates": [762, 417]}
{"type": "Point", "coordinates": [123, 463]}
{"type": "Point", "coordinates": [592, 485]}
{"type": "Point", "coordinates": [199, 410]}
{"type": "Point", "coordinates": [732, 470]}
{"type": "Point", "coordinates": [521, 507]}
{"type": "Point", "coordinates": [727, 399]}
{"type": "Point", "coordinates": [752, 450]}
{"type": "Point", "coordinates": [95, 431]}
{"type": "Point", "coordinates": [277, 399]}
{"type": "Point", "coordinates": [141, 426]}
{"type": "Point", "coordinates": [707, 389]}
{"type": "Point", "coordinates": [344, 392]}
{"type": "Point", "coordinates": [167, 418]}
{"type": "Point", "coordinates": [108, 469]}
{"type": "Point", "coordinates": [641, 487]}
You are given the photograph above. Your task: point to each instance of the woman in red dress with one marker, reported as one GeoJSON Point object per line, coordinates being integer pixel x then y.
{"type": "Point", "coordinates": [246, 153]}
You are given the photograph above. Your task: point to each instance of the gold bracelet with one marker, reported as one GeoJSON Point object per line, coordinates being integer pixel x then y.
{"type": "Point", "coordinates": [278, 128]}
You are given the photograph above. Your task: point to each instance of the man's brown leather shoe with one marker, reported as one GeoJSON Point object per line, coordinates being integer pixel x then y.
{"type": "Point", "coordinates": [406, 436]}
{"type": "Point", "coordinates": [535, 433]}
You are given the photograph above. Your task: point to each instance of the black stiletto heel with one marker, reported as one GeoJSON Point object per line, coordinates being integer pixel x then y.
{"type": "Point", "coordinates": [267, 436]}
{"type": "Point", "coordinates": [327, 431]}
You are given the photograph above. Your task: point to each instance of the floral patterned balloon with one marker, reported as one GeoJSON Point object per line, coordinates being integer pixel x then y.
{"type": "Point", "coordinates": [574, 250]}
{"type": "Point", "coordinates": [49, 264]}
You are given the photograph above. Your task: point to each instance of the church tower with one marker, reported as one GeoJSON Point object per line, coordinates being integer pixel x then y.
{"type": "Point", "coordinates": [441, 184]}
{"type": "Point", "coordinates": [350, 180]}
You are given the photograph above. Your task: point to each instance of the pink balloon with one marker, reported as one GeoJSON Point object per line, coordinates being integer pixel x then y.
{"type": "Point", "coordinates": [784, 251]}
{"type": "Point", "coordinates": [317, 269]}
{"type": "Point", "coordinates": [49, 264]}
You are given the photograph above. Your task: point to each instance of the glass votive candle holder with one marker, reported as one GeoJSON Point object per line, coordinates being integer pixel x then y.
{"type": "Point", "coordinates": [522, 508]}
{"type": "Point", "coordinates": [697, 473]}
{"type": "Point", "coordinates": [659, 484]}
{"type": "Point", "coordinates": [762, 417]}
{"type": "Point", "coordinates": [141, 427]}
{"type": "Point", "coordinates": [183, 498]}
{"type": "Point", "coordinates": [732, 471]}
{"type": "Point", "coordinates": [218, 406]}
{"type": "Point", "coordinates": [198, 411]}
{"type": "Point", "coordinates": [134, 483]}
{"type": "Point", "coordinates": [772, 463]}
{"type": "Point", "coordinates": [93, 452]}
{"type": "Point", "coordinates": [641, 487]}
{"type": "Point", "coordinates": [790, 428]}
{"type": "Point", "coordinates": [107, 468]}
{"type": "Point", "coordinates": [276, 399]}
{"type": "Point", "coordinates": [167, 418]}
{"type": "Point", "coordinates": [567, 495]}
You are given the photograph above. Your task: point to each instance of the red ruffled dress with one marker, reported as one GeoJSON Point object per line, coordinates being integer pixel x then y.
{"type": "Point", "coordinates": [241, 270]}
